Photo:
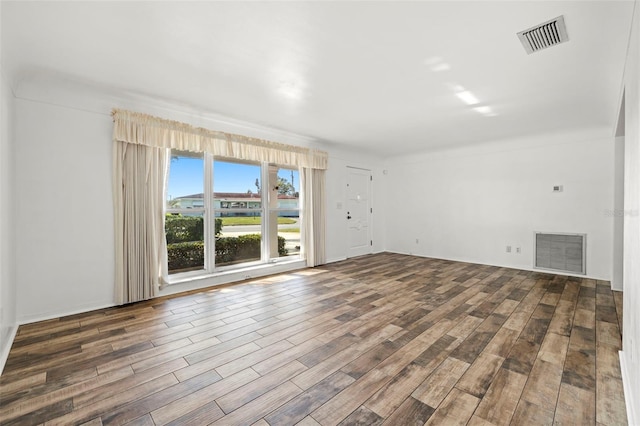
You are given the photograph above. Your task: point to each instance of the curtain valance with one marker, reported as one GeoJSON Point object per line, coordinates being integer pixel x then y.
{"type": "Point", "coordinates": [143, 129]}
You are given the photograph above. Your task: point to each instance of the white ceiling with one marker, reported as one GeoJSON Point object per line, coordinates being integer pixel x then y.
{"type": "Point", "coordinates": [382, 76]}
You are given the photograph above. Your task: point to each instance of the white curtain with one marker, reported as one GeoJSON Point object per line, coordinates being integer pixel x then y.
{"type": "Point", "coordinates": [143, 129]}
{"type": "Point", "coordinates": [142, 145]}
{"type": "Point", "coordinates": [139, 178]}
{"type": "Point", "coordinates": [313, 207]}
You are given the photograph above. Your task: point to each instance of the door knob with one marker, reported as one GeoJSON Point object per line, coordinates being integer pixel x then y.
{"type": "Point", "coordinates": [348, 217]}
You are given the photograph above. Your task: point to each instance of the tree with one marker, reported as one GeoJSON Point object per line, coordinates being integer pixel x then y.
{"type": "Point", "coordinates": [284, 187]}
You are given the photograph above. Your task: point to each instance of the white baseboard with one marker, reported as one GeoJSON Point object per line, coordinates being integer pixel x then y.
{"type": "Point", "coordinates": [6, 347]}
{"type": "Point", "coordinates": [48, 316]}
{"type": "Point", "coordinates": [499, 265]}
{"type": "Point", "coordinates": [629, 398]}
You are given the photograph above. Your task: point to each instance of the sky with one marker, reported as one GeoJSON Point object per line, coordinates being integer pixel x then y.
{"type": "Point", "coordinates": [186, 177]}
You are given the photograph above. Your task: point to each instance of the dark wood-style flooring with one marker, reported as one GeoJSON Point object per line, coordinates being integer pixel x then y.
{"type": "Point", "coordinates": [381, 339]}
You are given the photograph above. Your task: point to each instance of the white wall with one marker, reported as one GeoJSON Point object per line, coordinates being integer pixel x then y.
{"type": "Point", "coordinates": [64, 216]}
{"type": "Point", "coordinates": [630, 355]}
{"type": "Point", "coordinates": [468, 204]}
{"type": "Point", "coordinates": [618, 220]}
{"type": "Point", "coordinates": [336, 211]}
{"type": "Point", "coordinates": [7, 277]}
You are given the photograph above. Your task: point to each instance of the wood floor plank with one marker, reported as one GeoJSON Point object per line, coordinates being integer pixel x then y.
{"type": "Point", "coordinates": [25, 366]}
{"type": "Point", "coordinates": [111, 389]}
{"type": "Point", "coordinates": [392, 395]}
{"type": "Point", "coordinates": [610, 404]}
{"type": "Point", "coordinates": [21, 386]}
{"type": "Point", "coordinates": [522, 357]}
{"type": "Point", "coordinates": [328, 349]}
{"type": "Point", "coordinates": [363, 388]}
{"type": "Point", "coordinates": [608, 362]}
{"type": "Point", "coordinates": [193, 406]}
{"type": "Point", "coordinates": [252, 358]}
{"type": "Point", "coordinates": [286, 356]}
{"type": "Point", "coordinates": [502, 342]}
{"type": "Point", "coordinates": [43, 414]}
{"type": "Point", "coordinates": [22, 406]}
{"type": "Point", "coordinates": [543, 384]}
{"type": "Point", "coordinates": [261, 406]}
{"type": "Point", "coordinates": [160, 398]}
{"type": "Point", "coordinates": [609, 334]}
{"type": "Point", "coordinates": [575, 406]}
{"type": "Point", "coordinates": [478, 377]}
{"type": "Point", "coordinates": [456, 409]}
{"type": "Point", "coordinates": [302, 405]}
{"type": "Point", "coordinates": [209, 364]}
{"type": "Point", "coordinates": [617, 297]}
{"type": "Point", "coordinates": [433, 390]}
{"type": "Point", "coordinates": [411, 412]}
{"type": "Point", "coordinates": [145, 420]}
{"type": "Point", "coordinates": [562, 319]}
{"type": "Point", "coordinates": [528, 413]}
{"type": "Point", "coordinates": [330, 365]}
{"type": "Point", "coordinates": [370, 359]}
{"type": "Point", "coordinates": [238, 397]}
{"type": "Point", "coordinates": [362, 416]}
{"type": "Point", "coordinates": [381, 339]}
{"type": "Point", "coordinates": [105, 405]}
{"type": "Point", "coordinates": [554, 348]}
{"type": "Point", "coordinates": [153, 352]}
{"type": "Point", "coordinates": [204, 414]}
{"type": "Point", "coordinates": [502, 397]}
{"type": "Point", "coordinates": [209, 351]}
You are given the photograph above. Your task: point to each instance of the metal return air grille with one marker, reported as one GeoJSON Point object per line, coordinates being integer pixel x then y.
{"type": "Point", "coordinates": [561, 252]}
{"type": "Point", "coordinates": [544, 35]}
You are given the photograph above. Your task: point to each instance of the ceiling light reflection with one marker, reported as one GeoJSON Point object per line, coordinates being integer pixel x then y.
{"type": "Point", "coordinates": [290, 89]}
{"type": "Point", "coordinates": [437, 64]}
{"type": "Point", "coordinates": [485, 110]}
{"type": "Point", "coordinates": [467, 97]}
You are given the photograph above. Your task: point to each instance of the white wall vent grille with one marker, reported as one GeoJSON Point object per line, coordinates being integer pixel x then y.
{"type": "Point", "coordinates": [544, 35]}
{"type": "Point", "coordinates": [561, 252]}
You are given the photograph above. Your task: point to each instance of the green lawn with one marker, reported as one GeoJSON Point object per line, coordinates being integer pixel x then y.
{"type": "Point", "coordinates": [245, 220]}
{"type": "Point", "coordinates": [295, 230]}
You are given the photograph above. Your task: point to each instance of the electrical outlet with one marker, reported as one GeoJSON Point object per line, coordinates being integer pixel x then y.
{"type": "Point", "coordinates": [518, 250]}
{"type": "Point", "coordinates": [508, 249]}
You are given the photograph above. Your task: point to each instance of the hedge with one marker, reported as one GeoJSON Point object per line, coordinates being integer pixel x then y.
{"type": "Point", "coordinates": [190, 254]}
{"type": "Point", "coordinates": [185, 255]}
{"type": "Point", "coordinates": [179, 229]}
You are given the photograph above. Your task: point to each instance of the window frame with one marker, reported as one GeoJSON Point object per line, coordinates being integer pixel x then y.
{"type": "Point", "coordinates": [277, 210]}
{"type": "Point", "coordinates": [249, 264]}
{"type": "Point", "coordinates": [209, 211]}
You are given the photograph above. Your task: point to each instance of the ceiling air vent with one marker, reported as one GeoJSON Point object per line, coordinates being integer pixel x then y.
{"type": "Point", "coordinates": [544, 35]}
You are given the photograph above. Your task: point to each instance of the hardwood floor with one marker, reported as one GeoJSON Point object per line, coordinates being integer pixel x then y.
{"type": "Point", "coordinates": [381, 339]}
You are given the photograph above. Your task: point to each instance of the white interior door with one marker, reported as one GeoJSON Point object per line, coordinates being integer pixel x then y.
{"type": "Point", "coordinates": [358, 212]}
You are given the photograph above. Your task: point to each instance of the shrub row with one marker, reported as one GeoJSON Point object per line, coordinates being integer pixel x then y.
{"type": "Point", "coordinates": [190, 254]}
{"type": "Point", "coordinates": [185, 255]}
{"type": "Point", "coordinates": [179, 229]}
